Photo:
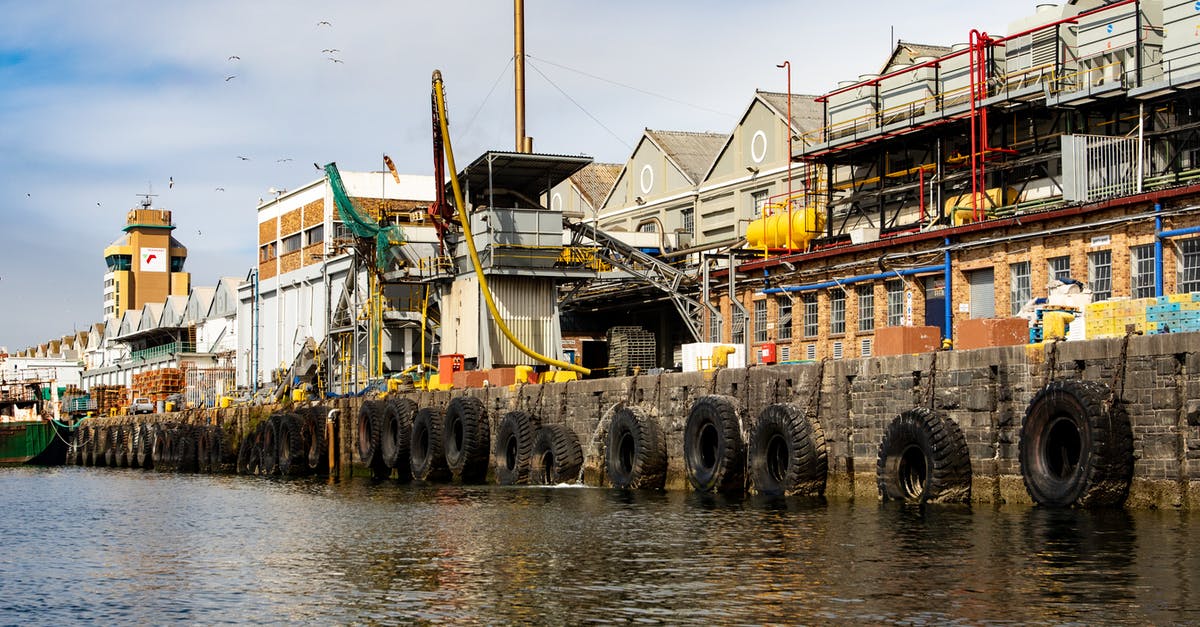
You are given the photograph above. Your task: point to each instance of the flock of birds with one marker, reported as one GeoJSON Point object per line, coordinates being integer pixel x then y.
{"type": "Point", "coordinates": [233, 58]}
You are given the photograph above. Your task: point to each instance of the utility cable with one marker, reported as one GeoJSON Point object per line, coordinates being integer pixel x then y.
{"type": "Point", "coordinates": [630, 87]}
{"type": "Point", "coordinates": [585, 111]}
{"type": "Point", "coordinates": [478, 110]}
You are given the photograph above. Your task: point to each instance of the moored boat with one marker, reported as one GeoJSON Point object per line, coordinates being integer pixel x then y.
{"type": "Point", "coordinates": [25, 434]}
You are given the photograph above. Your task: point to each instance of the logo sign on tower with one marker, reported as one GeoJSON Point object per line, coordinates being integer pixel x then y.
{"type": "Point", "coordinates": [153, 260]}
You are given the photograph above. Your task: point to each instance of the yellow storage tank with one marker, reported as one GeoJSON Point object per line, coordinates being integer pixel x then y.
{"type": "Point", "coordinates": [773, 232]}
{"type": "Point", "coordinates": [962, 207]}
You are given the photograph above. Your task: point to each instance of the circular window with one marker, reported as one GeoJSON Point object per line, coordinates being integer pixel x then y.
{"type": "Point", "coordinates": [647, 178]}
{"type": "Point", "coordinates": [758, 146]}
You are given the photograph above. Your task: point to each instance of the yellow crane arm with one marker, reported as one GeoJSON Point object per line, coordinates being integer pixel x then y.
{"type": "Point", "coordinates": [440, 97]}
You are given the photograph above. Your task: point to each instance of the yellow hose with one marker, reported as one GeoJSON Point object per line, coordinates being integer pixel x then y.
{"type": "Point", "coordinates": [440, 96]}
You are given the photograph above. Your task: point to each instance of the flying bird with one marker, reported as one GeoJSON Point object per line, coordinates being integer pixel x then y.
{"type": "Point", "coordinates": [234, 57]}
{"type": "Point", "coordinates": [220, 189]}
{"type": "Point", "coordinates": [324, 23]}
{"type": "Point", "coordinates": [243, 158]}
{"type": "Point", "coordinates": [171, 183]}
{"type": "Point", "coordinates": [314, 165]}
{"type": "Point", "coordinates": [230, 77]}
{"type": "Point", "coordinates": [336, 60]}
{"type": "Point", "coordinates": [283, 159]}
{"type": "Point", "coordinates": [330, 50]}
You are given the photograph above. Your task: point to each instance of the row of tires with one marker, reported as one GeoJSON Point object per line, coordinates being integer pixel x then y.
{"type": "Point", "coordinates": [166, 447]}
{"type": "Point", "coordinates": [395, 437]}
{"type": "Point", "coordinates": [286, 444]}
{"type": "Point", "coordinates": [1076, 448]}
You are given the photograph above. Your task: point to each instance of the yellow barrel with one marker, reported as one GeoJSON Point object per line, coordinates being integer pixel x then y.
{"type": "Point", "coordinates": [1054, 324]}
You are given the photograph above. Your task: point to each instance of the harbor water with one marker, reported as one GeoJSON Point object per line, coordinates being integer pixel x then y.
{"type": "Point", "coordinates": [131, 547]}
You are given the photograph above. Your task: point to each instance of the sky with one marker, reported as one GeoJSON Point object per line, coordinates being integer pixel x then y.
{"type": "Point", "coordinates": [102, 102]}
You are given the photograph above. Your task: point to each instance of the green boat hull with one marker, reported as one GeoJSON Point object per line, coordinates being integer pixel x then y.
{"type": "Point", "coordinates": [23, 442]}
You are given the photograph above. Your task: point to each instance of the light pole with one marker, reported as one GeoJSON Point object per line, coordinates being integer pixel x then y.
{"type": "Point", "coordinates": [788, 66]}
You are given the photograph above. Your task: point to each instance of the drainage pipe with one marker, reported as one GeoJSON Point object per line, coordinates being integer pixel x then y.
{"type": "Point", "coordinates": [862, 277]}
{"type": "Point", "coordinates": [948, 321]}
{"type": "Point", "coordinates": [1158, 249]}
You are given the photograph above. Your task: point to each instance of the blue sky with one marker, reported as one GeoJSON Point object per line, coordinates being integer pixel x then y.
{"type": "Point", "coordinates": [104, 101]}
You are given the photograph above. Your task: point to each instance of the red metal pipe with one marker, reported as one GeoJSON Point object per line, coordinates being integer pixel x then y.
{"type": "Point", "coordinates": [788, 65]}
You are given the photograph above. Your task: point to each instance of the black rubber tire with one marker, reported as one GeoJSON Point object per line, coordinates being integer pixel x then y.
{"type": "Point", "coordinates": [132, 435]}
{"type": "Point", "coordinates": [313, 431]}
{"type": "Point", "coordinates": [89, 446]}
{"type": "Point", "coordinates": [466, 439]}
{"type": "Point", "coordinates": [713, 451]}
{"type": "Point", "coordinates": [145, 452]}
{"type": "Point", "coordinates": [397, 429]}
{"type": "Point", "coordinates": [514, 447]}
{"type": "Point", "coordinates": [100, 456]}
{"type": "Point", "coordinates": [427, 458]}
{"type": "Point", "coordinates": [924, 459]}
{"type": "Point", "coordinates": [206, 439]}
{"type": "Point", "coordinates": [119, 448]}
{"type": "Point", "coordinates": [787, 453]}
{"type": "Point", "coordinates": [636, 456]}
{"type": "Point", "coordinates": [1076, 446]}
{"type": "Point", "coordinates": [243, 456]}
{"type": "Point", "coordinates": [268, 446]}
{"type": "Point", "coordinates": [291, 450]}
{"type": "Point", "coordinates": [556, 456]}
{"type": "Point", "coordinates": [186, 450]}
{"type": "Point", "coordinates": [161, 449]}
{"type": "Point", "coordinates": [368, 431]}
{"type": "Point", "coordinates": [219, 450]}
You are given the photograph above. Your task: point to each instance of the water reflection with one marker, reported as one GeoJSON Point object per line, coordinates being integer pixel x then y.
{"type": "Point", "coordinates": [119, 546]}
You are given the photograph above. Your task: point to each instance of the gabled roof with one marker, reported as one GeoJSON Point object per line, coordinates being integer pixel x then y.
{"type": "Point", "coordinates": [224, 298]}
{"type": "Point", "coordinates": [906, 52]}
{"type": "Point", "coordinates": [151, 314]}
{"type": "Point", "coordinates": [129, 322]}
{"type": "Point", "coordinates": [595, 180]}
{"type": "Point", "coordinates": [198, 304]}
{"type": "Point", "coordinates": [807, 113]}
{"type": "Point", "coordinates": [692, 153]}
{"type": "Point", "coordinates": [173, 308]}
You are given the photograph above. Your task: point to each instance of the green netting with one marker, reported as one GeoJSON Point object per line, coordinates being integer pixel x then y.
{"type": "Point", "coordinates": [387, 238]}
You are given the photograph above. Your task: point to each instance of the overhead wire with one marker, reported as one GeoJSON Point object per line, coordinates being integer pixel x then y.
{"type": "Point", "coordinates": [479, 109]}
{"type": "Point", "coordinates": [581, 108]}
{"type": "Point", "coordinates": [629, 87]}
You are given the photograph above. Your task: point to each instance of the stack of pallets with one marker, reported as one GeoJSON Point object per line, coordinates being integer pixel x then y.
{"type": "Point", "coordinates": [157, 385]}
{"type": "Point", "coordinates": [630, 349]}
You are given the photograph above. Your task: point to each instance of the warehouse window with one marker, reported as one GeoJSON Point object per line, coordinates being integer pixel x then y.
{"type": "Point", "coordinates": [759, 199]}
{"type": "Point", "coordinates": [315, 235]}
{"type": "Point", "coordinates": [647, 227]}
{"type": "Point", "coordinates": [866, 308]}
{"type": "Point", "coordinates": [714, 328]}
{"type": "Point", "coordinates": [1021, 286]}
{"type": "Point", "coordinates": [1142, 269]}
{"type": "Point", "coordinates": [785, 318]}
{"type": "Point", "coordinates": [760, 320]}
{"type": "Point", "coordinates": [895, 302]}
{"type": "Point", "coordinates": [739, 328]}
{"type": "Point", "coordinates": [1060, 268]}
{"type": "Point", "coordinates": [1100, 275]}
{"type": "Point", "coordinates": [1189, 266]}
{"type": "Point", "coordinates": [837, 312]}
{"type": "Point", "coordinates": [291, 243]}
{"type": "Point", "coordinates": [689, 220]}
{"type": "Point", "coordinates": [266, 252]}
{"type": "Point", "coordinates": [810, 314]}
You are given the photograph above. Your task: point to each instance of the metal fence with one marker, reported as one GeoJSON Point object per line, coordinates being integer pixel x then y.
{"type": "Point", "coordinates": [205, 386]}
{"type": "Point", "coordinates": [1096, 167]}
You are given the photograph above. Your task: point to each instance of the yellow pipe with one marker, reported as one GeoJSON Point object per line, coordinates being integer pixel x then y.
{"type": "Point", "coordinates": [440, 96]}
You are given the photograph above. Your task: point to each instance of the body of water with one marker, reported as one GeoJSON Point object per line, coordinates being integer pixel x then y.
{"type": "Point", "coordinates": [131, 547]}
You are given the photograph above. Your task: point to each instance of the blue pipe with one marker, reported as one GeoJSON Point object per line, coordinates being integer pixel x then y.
{"type": "Point", "coordinates": [1191, 230]}
{"type": "Point", "coordinates": [854, 279]}
{"type": "Point", "coordinates": [1158, 251]}
{"type": "Point", "coordinates": [947, 325]}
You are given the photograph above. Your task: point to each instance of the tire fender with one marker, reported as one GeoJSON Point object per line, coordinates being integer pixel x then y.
{"type": "Point", "coordinates": [923, 459]}
{"type": "Point", "coordinates": [713, 450]}
{"type": "Point", "coordinates": [787, 453]}
{"type": "Point", "coordinates": [636, 454]}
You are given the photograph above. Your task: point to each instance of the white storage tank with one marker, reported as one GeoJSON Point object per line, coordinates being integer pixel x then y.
{"type": "Point", "coordinates": [1032, 56]}
{"type": "Point", "coordinates": [853, 110]}
{"type": "Point", "coordinates": [909, 93]}
{"type": "Point", "coordinates": [1181, 38]}
{"type": "Point", "coordinates": [1112, 40]}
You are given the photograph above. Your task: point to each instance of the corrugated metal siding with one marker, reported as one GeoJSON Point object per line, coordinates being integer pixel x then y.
{"type": "Point", "coordinates": [527, 306]}
{"type": "Point", "coordinates": [983, 293]}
